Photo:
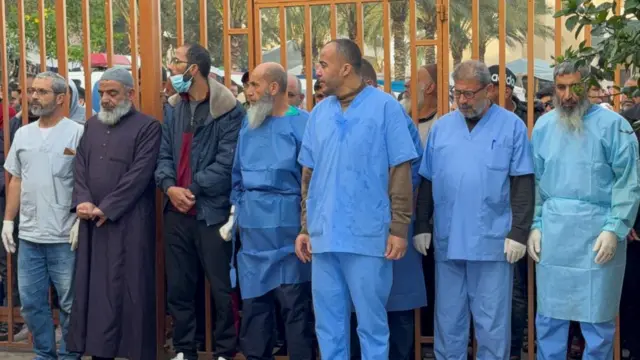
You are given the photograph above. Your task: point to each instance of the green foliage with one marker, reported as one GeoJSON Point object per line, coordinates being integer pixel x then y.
{"type": "Point", "coordinates": [619, 33]}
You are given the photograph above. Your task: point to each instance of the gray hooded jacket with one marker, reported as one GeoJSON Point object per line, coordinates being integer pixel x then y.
{"type": "Point", "coordinates": [77, 112]}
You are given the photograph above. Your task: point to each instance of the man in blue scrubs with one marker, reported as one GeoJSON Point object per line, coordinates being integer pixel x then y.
{"type": "Point", "coordinates": [266, 196]}
{"type": "Point", "coordinates": [587, 187]}
{"type": "Point", "coordinates": [408, 291]}
{"type": "Point", "coordinates": [478, 183]}
{"type": "Point", "coordinates": [357, 207]}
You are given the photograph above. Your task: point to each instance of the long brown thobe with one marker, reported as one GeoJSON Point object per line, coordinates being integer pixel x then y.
{"type": "Point", "coordinates": [113, 313]}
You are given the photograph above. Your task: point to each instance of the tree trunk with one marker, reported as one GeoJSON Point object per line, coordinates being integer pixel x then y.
{"type": "Point", "coordinates": [303, 57]}
{"type": "Point", "coordinates": [398, 18]}
{"type": "Point", "coordinates": [483, 50]}
{"type": "Point", "coordinates": [353, 26]}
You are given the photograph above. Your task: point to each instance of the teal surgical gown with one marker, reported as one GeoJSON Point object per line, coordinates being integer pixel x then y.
{"type": "Point", "coordinates": [586, 183]}
{"type": "Point", "coordinates": [470, 172]}
{"type": "Point", "coordinates": [266, 181]}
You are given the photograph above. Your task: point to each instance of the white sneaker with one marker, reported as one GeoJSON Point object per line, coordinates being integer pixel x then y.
{"type": "Point", "coordinates": [179, 356]}
{"type": "Point", "coordinates": [22, 335]}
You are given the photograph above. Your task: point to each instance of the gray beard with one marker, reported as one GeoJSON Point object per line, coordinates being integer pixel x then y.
{"type": "Point", "coordinates": [260, 110]}
{"type": "Point", "coordinates": [112, 117]}
{"type": "Point", "coordinates": [40, 111]}
{"type": "Point", "coordinates": [406, 102]}
{"type": "Point", "coordinates": [572, 118]}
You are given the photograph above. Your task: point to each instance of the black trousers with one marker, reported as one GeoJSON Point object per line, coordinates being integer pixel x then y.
{"type": "Point", "coordinates": [401, 339]}
{"type": "Point", "coordinates": [187, 243]}
{"type": "Point", "coordinates": [629, 310]}
{"type": "Point", "coordinates": [14, 268]}
{"type": "Point", "coordinates": [257, 332]}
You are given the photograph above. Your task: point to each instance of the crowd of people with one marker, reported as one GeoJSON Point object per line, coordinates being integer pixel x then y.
{"type": "Point", "coordinates": [323, 230]}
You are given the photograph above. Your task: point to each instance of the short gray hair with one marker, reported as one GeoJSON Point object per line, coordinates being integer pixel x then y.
{"type": "Point", "coordinates": [472, 70]}
{"type": "Point", "coordinates": [568, 68]}
{"type": "Point", "coordinates": [278, 75]}
{"type": "Point", "coordinates": [58, 83]}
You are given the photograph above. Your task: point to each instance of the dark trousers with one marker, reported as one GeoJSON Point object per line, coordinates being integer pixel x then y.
{"type": "Point", "coordinates": [187, 243]}
{"type": "Point", "coordinates": [630, 301]}
{"type": "Point", "coordinates": [401, 339]}
{"type": "Point", "coordinates": [519, 307]}
{"type": "Point", "coordinates": [258, 329]}
{"type": "Point", "coordinates": [14, 269]}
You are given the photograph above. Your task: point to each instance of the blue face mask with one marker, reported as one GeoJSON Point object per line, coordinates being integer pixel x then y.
{"type": "Point", "coordinates": [180, 84]}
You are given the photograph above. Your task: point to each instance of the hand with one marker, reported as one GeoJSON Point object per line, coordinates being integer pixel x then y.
{"type": "Point", "coordinates": [533, 245]}
{"type": "Point", "coordinates": [225, 230]}
{"type": "Point", "coordinates": [85, 210]}
{"type": "Point", "coordinates": [633, 236]}
{"type": "Point", "coordinates": [73, 235]}
{"type": "Point", "coordinates": [7, 236]}
{"type": "Point", "coordinates": [181, 198]}
{"type": "Point", "coordinates": [514, 250]}
{"type": "Point", "coordinates": [605, 246]}
{"type": "Point", "coordinates": [396, 247]}
{"type": "Point", "coordinates": [422, 242]}
{"type": "Point", "coordinates": [303, 248]}
{"type": "Point", "coordinates": [97, 213]}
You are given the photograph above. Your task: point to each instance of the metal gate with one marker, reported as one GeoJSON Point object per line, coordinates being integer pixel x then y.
{"type": "Point", "coordinates": [253, 31]}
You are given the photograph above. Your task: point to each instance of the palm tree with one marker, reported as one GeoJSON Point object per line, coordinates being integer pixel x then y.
{"type": "Point", "coordinates": [399, 14]}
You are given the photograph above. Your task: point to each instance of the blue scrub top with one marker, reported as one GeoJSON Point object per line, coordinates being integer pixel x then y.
{"type": "Point", "coordinates": [351, 152]}
{"type": "Point", "coordinates": [470, 173]}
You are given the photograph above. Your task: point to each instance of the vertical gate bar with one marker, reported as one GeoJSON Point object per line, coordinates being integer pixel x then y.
{"type": "Point", "coordinates": [414, 60]}
{"type": "Point", "coordinates": [558, 30]}
{"type": "Point", "coordinates": [61, 44]}
{"type": "Point", "coordinates": [6, 130]}
{"type": "Point", "coordinates": [42, 36]}
{"type": "Point", "coordinates": [334, 21]}
{"type": "Point", "coordinates": [257, 33]}
{"type": "Point", "coordinates": [151, 55]}
{"type": "Point", "coordinates": [251, 25]}
{"type": "Point", "coordinates": [502, 49]}
{"type": "Point", "coordinates": [226, 43]}
{"type": "Point", "coordinates": [283, 37]}
{"type": "Point", "coordinates": [308, 56]}
{"type": "Point", "coordinates": [475, 29]}
{"type": "Point", "coordinates": [86, 62]}
{"type": "Point", "coordinates": [108, 20]}
{"type": "Point", "coordinates": [204, 26]}
{"type": "Point", "coordinates": [443, 90]}
{"type": "Point", "coordinates": [22, 36]}
{"type": "Point", "coordinates": [531, 299]}
{"type": "Point", "coordinates": [133, 36]}
{"type": "Point", "coordinates": [386, 38]}
{"type": "Point", "coordinates": [587, 35]}
{"type": "Point", "coordinates": [180, 22]}
{"type": "Point", "coordinates": [444, 53]}
{"type": "Point", "coordinates": [417, 336]}
{"type": "Point", "coordinates": [359, 26]}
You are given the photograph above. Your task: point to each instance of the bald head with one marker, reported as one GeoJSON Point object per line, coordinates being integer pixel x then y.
{"type": "Point", "coordinates": [368, 73]}
{"type": "Point", "coordinates": [272, 73]}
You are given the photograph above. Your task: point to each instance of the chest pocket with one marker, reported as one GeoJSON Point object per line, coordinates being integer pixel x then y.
{"type": "Point", "coordinates": [62, 165]}
{"type": "Point", "coordinates": [499, 157]}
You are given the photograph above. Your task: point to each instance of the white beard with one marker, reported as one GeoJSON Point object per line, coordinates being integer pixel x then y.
{"type": "Point", "coordinates": [260, 110]}
{"type": "Point", "coordinates": [112, 117]}
{"type": "Point", "coordinates": [406, 101]}
{"type": "Point", "coordinates": [572, 118]}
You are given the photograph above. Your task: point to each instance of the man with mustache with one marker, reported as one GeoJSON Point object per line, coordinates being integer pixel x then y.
{"type": "Point", "coordinates": [114, 304]}
{"type": "Point", "coordinates": [478, 183]}
{"type": "Point", "coordinates": [587, 194]}
{"type": "Point", "coordinates": [427, 98]}
{"type": "Point", "coordinates": [41, 166]}
{"type": "Point", "coordinates": [266, 196]}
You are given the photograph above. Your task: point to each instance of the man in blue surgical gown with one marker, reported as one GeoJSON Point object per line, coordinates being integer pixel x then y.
{"type": "Point", "coordinates": [266, 196]}
{"type": "Point", "coordinates": [478, 183]}
{"type": "Point", "coordinates": [356, 154]}
{"type": "Point", "coordinates": [408, 291]}
{"type": "Point", "coordinates": [587, 195]}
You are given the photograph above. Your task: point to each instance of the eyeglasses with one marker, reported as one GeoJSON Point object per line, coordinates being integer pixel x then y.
{"type": "Point", "coordinates": [291, 95]}
{"type": "Point", "coordinates": [176, 61]}
{"type": "Point", "coordinates": [40, 92]}
{"type": "Point", "coordinates": [468, 94]}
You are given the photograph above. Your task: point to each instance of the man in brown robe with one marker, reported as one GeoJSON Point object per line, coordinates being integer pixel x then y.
{"type": "Point", "coordinates": [113, 313]}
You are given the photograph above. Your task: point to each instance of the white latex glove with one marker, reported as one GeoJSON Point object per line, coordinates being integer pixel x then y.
{"type": "Point", "coordinates": [225, 230]}
{"type": "Point", "coordinates": [533, 245]}
{"type": "Point", "coordinates": [422, 242]}
{"type": "Point", "coordinates": [514, 250]}
{"type": "Point", "coordinates": [606, 245]}
{"type": "Point", "coordinates": [7, 236]}
{"type": "Point", "coordinates": [73, 235]}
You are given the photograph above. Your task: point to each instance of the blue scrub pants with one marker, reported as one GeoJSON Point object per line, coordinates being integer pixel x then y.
{"type": "Point", "coordinates": [483, 288]}
{"type": "Point", "coordinates": [401, 335]}
{"type": "Point", "coordinates": [552, 335]}
{"type": "Point", "coordinates": [338, 279]}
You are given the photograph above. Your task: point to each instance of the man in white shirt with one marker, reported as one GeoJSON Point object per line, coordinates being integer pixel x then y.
{"type": "Point", "coordinates": [41, 166]}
